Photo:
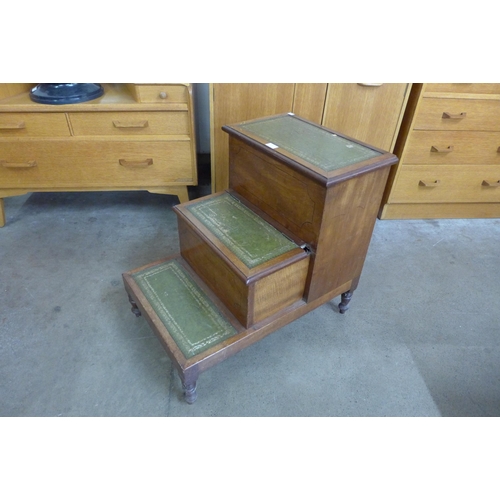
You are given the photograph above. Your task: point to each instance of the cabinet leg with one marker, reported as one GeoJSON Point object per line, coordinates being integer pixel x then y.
{"type": "Point", "coordinates": [344, 303]}
{"type": "Point", "coordinates": [180, 191]}
{"type": "Point", "coordinates": [2, 213]}
{"type": "Point", "coordinates": [190, 394]}
{"type": "Point", "coordinates": [134, 307]}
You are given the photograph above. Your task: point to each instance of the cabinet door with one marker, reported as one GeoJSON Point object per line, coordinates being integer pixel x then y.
{"type": "Point", "coordinates": [369, 112]}
{"type": "Point", "coordinates": [309, 101]}
{"type": "Point", "coordinates": [236, 102]}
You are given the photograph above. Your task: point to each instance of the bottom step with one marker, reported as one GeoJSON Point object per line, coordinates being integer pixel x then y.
{"type": "Point", "coordinates": [194, 326]}
{"type": "Point", "coordinates": [190, 321]}
{"type": "Point", "coordinates": [190, 316]}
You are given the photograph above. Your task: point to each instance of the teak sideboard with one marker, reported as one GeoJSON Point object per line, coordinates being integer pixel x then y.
{"type": "Point", "coordinates": [134, 137]}
{"type": "Point", "coordinates": [289, 234]}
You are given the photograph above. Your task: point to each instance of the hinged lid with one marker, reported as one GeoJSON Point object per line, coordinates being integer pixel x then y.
{"type": "Point", "coordinates": [303, 145]}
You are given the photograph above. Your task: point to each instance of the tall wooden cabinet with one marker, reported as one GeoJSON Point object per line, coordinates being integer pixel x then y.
{"type": "Point", "coordinates": [449, 151]}
{"type": "Point", "coordinates": [134, 137]}
{"type": "Point", "coordinates": [369, 112]}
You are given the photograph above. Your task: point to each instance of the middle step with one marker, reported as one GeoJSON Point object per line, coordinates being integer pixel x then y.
{"type": "Point", "coordinates": [251, 265]}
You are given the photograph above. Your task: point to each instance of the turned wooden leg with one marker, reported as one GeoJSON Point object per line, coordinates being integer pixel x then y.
{"type": "Point", "coordinates": [344, 303]}
{"type": "Point", "coordinates": [190, 394]}
{"type": "Point", "coordinates": [134, 307]}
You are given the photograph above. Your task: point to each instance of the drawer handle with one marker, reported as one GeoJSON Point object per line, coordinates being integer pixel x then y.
{"type": "Point", "coordinates": [26, 164]}
{"type": "Point", "coordinates": [12, 126]}
{"type": "Point", "coordinates": [451, 116]}
{"type": "Point", "coordinates": [435, 149]}
{"type": "Point", "coordinates": [491, 184]}
{"type": "Point", "coordinates": [142, 124]}
{"type": "Point", "coordinates": [163, 95]}
{"type": "Point", "coordinates": [371, 84]}
{"type": "Point", "coordinates": [141, 163]}
{"type": "Point", "coordinates": [428, 184]}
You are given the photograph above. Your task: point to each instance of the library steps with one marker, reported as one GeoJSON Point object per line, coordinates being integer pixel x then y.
{"type": "Point", "coordinates": [290, 234]}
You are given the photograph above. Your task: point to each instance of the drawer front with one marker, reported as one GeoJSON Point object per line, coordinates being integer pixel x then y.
{"type": "Point", "coordinates": [458, 114]}
{"type": "Point", "coordinates": [464, 88]}
{"type": "Point", "coordinates": [33, 125]}
{"type": "Point", "coordinates": [162, 93]}
{"type": "Point", "coordinates": [130, 123]}
{"type": "Point", "coordinates": [104, 164]}
{"type": "Point", "coordinates": [452, 148]}
{"type": "Point", "coordinates": [447, 184]}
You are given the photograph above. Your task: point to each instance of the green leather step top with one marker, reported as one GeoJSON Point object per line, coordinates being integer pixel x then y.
{"type": "Point", "coordinates": [252, 239]}
{"type": "Point", "coordinates": [320, 147]}
{"type": "Point", "coordinates": [191, 318]}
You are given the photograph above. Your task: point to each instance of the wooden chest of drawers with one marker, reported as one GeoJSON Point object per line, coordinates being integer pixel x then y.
{"type": "Point", "coordinates": [135, 137]}
{"type": "Point", "coordinates": [449, 151]}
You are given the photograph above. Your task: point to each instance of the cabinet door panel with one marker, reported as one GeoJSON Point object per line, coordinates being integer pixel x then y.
{"type": "Point", "coordinates": [309, 101]}
{"type": "Point", "coordinates": [368, 112]}
{"type": "Point", "coordinates": [237, 102]}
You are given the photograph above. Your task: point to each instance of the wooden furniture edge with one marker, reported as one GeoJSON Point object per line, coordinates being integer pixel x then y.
{"type": "Point", "coordinates": [440, 211]}
{"type": "Point", "coordinates": [404, 130]}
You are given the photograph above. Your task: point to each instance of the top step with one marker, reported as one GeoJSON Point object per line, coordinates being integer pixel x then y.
{"type": "Point", "coordinates": [320, 153]}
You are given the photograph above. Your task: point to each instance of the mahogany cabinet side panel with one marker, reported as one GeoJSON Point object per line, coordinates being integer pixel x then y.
{"type": "Point", "coordinates": [348, 222]}
{"type": "Point", "coordinates": [287, 196]}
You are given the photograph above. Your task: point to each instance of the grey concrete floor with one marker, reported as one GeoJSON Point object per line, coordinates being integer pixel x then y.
{"type": "Point", "coordinates": [422, 337]}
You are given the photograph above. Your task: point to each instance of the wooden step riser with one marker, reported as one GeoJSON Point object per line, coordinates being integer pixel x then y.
{"type": "Point", "coordinates": [250, 299]}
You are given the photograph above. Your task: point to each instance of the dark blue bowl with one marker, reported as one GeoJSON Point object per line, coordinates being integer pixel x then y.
{"type": "Point", "coordinates": [65, 93]}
